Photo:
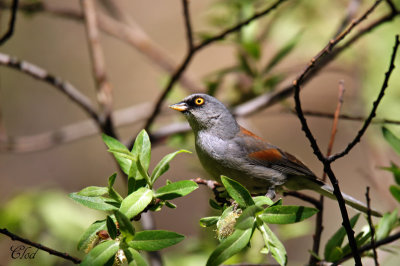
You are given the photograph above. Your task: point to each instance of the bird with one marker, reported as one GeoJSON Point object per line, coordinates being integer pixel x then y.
{"type": "Point", "coordinates": [226, 148]}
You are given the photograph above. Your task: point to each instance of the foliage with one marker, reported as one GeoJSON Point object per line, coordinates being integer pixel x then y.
{"type": "Point", "coordinates": [115, 238]}
{"type": "Point", "coordinates": [237, 223]}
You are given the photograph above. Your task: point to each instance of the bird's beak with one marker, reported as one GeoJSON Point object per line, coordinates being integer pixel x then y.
{"type": "Point", "coordinates": [181, 107]}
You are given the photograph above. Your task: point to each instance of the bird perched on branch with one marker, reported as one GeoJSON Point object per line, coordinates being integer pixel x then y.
{"type": "Point", "coordinates": [226, 148]}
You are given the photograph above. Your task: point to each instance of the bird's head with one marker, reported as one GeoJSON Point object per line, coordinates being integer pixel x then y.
{"type": "Point", "coordinates": [205, 112]}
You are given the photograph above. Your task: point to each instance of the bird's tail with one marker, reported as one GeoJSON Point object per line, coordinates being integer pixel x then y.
{"type": "Point", "coordinates": [326, 190]}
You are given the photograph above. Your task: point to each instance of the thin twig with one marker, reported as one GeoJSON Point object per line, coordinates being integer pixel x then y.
{"type": "Point", "coordinates": [104, 90]}
{"type": "Point", "coordinates": [131, 34]}
{"type": "Point", "coordinates": [319, 219]}
{"type": "Point", "coordinates": [331, 175]}
{"type": "Point", "coordinates": [11, 23]}
{"type": "Point", "coordinates": [268, 99]}
{"type": "Point", "coordinates": [349, 117]}
{"type": "Point", "coordinates": [304, 197]}
{"type": "Point", "coordinates": [370, 246]}
{"type": "Point", "coordinates": [176, 76]}
{"type": "Point", "coordinates": [51, 251]}
{"type": "Point", "coordinates": [371, 227]}
{"type": "Point", "coordinates": [64, 86]}
{"type": "Point", "coordinates": [237, 27]}
{"type": "Point", "coordinates": [351, 11]}
{"type": "Point", "coordinates": [374, 106]}
{"type": "Point", "coordinates": [188, 25]}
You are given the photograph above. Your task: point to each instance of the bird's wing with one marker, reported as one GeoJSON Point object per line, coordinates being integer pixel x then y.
{"type": "Point", "coordinates": [261, 152]}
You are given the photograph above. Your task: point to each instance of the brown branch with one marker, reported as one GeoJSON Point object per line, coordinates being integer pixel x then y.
{"type": "Point", "coordinates": [371, 227]}
{"type": "Point", "coordinates": [103, 87]}
{"type": "Point", "coordinates": [268, 99]}
{"type": "Point", "coordinates": [319, 218]}
{"type": "Point", "coordinates": [131, 34]}
{"type": "Point", "coordinates": [11, 23]}
{"type": "Point", "coordinates": [64, 86]}
{"type": "Point", "coordinates": [374, 106]}
{"type": "Point", "coordinates": [51, 251]}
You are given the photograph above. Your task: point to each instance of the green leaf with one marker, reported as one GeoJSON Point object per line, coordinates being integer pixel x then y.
{"type": "Point", "coordinates": [90, 233]}
{"type": "Point", "coordinates": [261, 201]}
{"type": "Point", "coordinates": [136, 202]}
{"type": "Point", "coordinates": [247, 219]}
{"type": "Point", "coordinates": [176, 190]}
{"type": "Point", "coordinates": [214, 204]}
{"type": "Point", "coordinates": [386, 225]}
{"type": "Point", "coordinates": [163, 165]}
{"type": "Point", "coordinates": [230, 246]}
{"type": "Point", "coordinates": [134, 257]}
{"type": "Point", "coordinates": [112, 143]}
{"type": "Point", "coordinates": [123, 153]}
{"type": "Point", "coordinates": [392, 139]}
{"type": "Point", "coordinates": [97, 203]}
{"type": "Point", "coordinates": [272, 243]}
{"type": "Point", "coordinates": [252, 48]}
{"type": "Point", "coordinates": [101, 254]}
{"type": "Point", "coordinates": [336, 240]}
{"type": "Point", "coordinates": [93, 191]}
{"type": "Point", "coordinates": [125, 226]}
{"type": "Point", "coordinates": [111, 191]}
{"type": "Point", "coordinates": [142, 149]}
{"type": "Point", "coordinates": [395, 170]}
{"type": "Point", "coordinates": [152, 240]}
{"type": "Point", "coordinates": [245, 65]}
{"type": "Point", "coordinates": [395, 190]}
{"type": "Point", "coordinates": [111, 227]}
{"type": "Point", "coordinates": [286, 214]}
{"type": "Point", "coordinates": [282, 53]}
{"type": "Point", "coordinates": [143, 172]}
{"type": "Point", "coordinates": [208, 221]}
{"type": "Point", "coordinates": [170, 205]}
{"type": "Point", "coordinates": [239, 193]}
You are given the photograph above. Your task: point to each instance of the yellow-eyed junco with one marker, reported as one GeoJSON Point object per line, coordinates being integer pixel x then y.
{"type": "Point", "coordinates": [226, 148]}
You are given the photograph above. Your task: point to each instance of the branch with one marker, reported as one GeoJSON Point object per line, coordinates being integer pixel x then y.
{"type": "Point", "coordinates": [319, 219]}
{"type": "Point", "coordinates": [104, 90]}
{"type": "Point", "coordinates": [371, 227]}
{"type": "Point", "coordinates": [4, 231]}
{"type": "Point", "coordinates": [175, 77]}
{"type": "Point", "coordinates": [188, 26]}
{"type": "Point", "coordinates": [370, 246]}
{"type": "Point", "coordinates": [374, 106]}
{"type": "Point", "coordinates": [132, 35]}
{"type": "Point", "coordinates": [64, 86]}
{"type": "Point", "coordinates": [305, 198]}
{"type": "Point", "coordinates": [268, 99]}
{"type": "Point", "coordinates": [11, 23]}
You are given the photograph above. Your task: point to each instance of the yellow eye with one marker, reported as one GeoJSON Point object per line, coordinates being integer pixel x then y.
{"type": "Point", "coordinates": [199, 101]}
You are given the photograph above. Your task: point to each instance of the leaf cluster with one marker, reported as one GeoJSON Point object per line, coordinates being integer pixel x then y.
{"type": "Point", "coordinates": [115, 239]}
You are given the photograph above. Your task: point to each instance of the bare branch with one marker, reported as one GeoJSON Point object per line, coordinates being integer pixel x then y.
{"type": "Point", "coordinates": [11, 24]}
{"type": "Point", "coordinates": [51, 251]}
{"type": "Point", "coordinates": [176, 76]}
{"type": "Point", "coordinates": [104, 90]}
{"type": "Point", "coordinates": [132, 34]}
{"type": "Point", "coordinates": [319, 219]}
{"type": "Point", "coordinates": [369, 246]}
{"type": "Point", "coordinates": [371, 227]}
{"type": "Point", "coordinates": [374, 106]}
{"type": "Point", "coordinates": [64, 86]}
{"type": "Point", "coordinates": [188, 26]}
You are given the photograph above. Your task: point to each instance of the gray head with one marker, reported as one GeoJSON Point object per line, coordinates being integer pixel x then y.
{"type": "Point", "coordinates": [205, 112]}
